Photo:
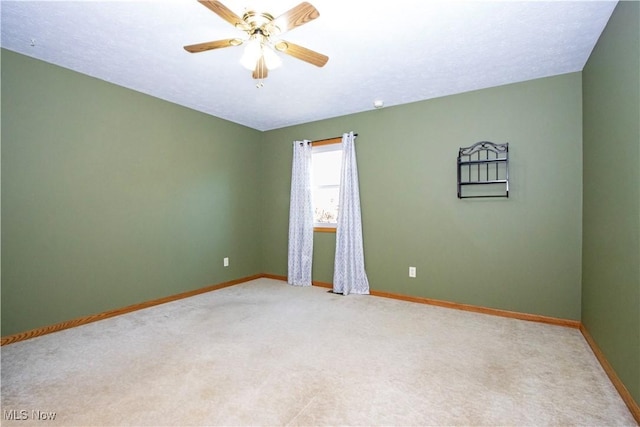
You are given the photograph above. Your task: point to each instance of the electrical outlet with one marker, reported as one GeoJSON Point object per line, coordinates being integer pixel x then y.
{"type": "Point", "coordinates": [225, 261]}
{"type": "Point", "coordinates": [412, 272]}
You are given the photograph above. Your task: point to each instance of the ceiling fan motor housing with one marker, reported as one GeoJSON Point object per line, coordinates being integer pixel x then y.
{"type": "Point", "coordinates": [258, 21]}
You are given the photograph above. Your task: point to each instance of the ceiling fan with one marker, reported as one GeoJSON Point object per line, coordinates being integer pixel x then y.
{"type": "Point", "coordinates": [263, 31]}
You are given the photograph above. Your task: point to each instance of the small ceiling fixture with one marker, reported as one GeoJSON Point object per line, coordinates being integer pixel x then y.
{"type": "Point", "coordinates": [262, 43]}
{"type": "Point", "coordinates": [378, 103]}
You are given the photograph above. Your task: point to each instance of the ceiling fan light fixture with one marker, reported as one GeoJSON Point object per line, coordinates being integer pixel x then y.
{"type": "Point", "coordinates": [256, 47]}
{"type": "Point", "coordinates": [271, 59]}
{"type": "Point", "coordinates": [252, 52]}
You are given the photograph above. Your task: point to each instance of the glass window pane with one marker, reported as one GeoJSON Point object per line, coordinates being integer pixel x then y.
{"type": "Point", "coordinates": [326, 168]}
{"type": "Point", "coordinates": [325, 205]}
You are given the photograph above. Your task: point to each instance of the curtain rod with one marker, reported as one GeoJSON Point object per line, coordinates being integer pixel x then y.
{"type": "Point", "coordinates": [329, 140]}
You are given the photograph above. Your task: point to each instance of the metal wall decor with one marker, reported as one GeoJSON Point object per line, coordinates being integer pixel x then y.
{"type": "Point", "coordinates": [483, 170]}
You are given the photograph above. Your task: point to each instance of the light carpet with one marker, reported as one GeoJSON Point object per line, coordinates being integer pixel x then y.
{"type": "Point", "coordinates": [266, 353]}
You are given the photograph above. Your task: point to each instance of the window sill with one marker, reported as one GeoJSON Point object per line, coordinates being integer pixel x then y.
{"type": "Point", "coordinates": [325, 229]}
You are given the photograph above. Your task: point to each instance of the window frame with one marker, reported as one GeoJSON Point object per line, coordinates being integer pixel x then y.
{"type": "Point", "coordinates": [326, 227]}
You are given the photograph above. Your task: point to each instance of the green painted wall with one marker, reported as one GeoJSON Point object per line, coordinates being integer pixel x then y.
{"type": "Point", "coordinates": [521, 253]}
{"type": "Point", "coordinates": [611, 250]}
{"type": "Point", "coordinates": [111, 197]}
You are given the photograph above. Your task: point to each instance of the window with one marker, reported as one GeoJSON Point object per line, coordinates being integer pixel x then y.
{"type": "Point", "coordinates": [325, 182]}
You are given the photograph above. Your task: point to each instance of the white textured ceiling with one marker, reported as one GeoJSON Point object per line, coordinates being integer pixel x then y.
{"type": "Point", "coordinates": [398, 51]}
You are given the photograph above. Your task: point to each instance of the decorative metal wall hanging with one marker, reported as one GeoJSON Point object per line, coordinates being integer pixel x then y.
{"type": "Point", "coordinates": [483, 170]}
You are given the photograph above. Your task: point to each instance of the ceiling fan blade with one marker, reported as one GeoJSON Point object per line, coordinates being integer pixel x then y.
{"type": "Point", "coordinates": [201, 47]}
{"type": "Point", "coordinates": [261, 70]}
{"type": "Point", "coordinates": [302, 53]}
{"type": "Point", "coordinates": [297, 16]}
{"type": "Point", "coordinates": [225, 13]}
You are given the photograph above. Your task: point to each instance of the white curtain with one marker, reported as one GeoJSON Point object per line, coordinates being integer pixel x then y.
{"type": "Point", "coordinates": [300, 217]}
{"type": "Point", "coordinates": [349, 275]}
